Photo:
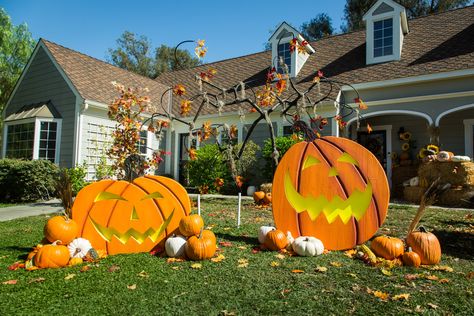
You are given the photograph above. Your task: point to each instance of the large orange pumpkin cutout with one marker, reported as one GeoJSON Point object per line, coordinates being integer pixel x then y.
{"type": "Point", "coordinates": [128, 217]}
{"type": "Point", "coordinates": [333, 189]}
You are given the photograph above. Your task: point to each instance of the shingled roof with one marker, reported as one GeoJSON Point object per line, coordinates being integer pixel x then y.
{"type": "Point", "coordinates": [93, 78]}
{"type": "Point", "coordinates": [436, 43]}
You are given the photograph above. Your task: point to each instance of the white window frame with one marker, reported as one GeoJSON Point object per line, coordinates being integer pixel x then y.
{"type": "Point", "coordinates": [275, 58]}
{"type": "Point", "coordinates": [468, 137]}
{"type": "Point", "coordinates": [383, 47]}
{"type": "Point", "coordinates": [36, 140]}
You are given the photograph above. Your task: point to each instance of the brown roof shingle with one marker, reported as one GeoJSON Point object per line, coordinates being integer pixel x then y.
{"type": "Point", "coordinates": [93, 78]}
{"type": "Point", "coordinates": [436, 43]}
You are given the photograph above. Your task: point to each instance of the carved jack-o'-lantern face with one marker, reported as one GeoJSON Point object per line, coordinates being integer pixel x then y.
{"type": "Point", "coordinates": [124, 217]}
{"type": "Point", "coordinates": [333, 189]}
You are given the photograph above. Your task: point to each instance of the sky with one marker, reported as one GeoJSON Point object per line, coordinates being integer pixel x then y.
{"type": "Point", "coordinates": [230, 28]}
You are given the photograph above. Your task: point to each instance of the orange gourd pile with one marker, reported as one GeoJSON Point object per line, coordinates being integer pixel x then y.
{"type": "Point", "coordinates": [200, 243]}
{"type": "Point", "coordinates": [262, 198]}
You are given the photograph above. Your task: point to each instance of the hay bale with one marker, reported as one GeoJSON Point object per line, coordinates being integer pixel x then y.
{"type": "Point", "coordinates": [455, 173]}
{"type": "Point", "coordinates": [413, 194]}
{"type": "Point", "coordinates": [457, 197]}
{"type": "Point", "coordinates": [266, 187]}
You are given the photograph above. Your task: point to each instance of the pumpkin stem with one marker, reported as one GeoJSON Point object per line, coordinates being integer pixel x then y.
{"type": "Point", "coordinates": [409, 249]}
{"type": "Point", "coordinates": [422, 229]}
{"type": "Point", "coordinates": [200, 233]}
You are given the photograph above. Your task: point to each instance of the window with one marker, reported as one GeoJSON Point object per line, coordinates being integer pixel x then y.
{"type": "Point", "coordinates": [142, 144]}
{"type": "Point", "coordinates": [285, 54]}
{"type": "Point", "coordinates": [20, 140]}
{"type": "Point", "coordinates": [47, 144]}
{"type": "Point", "coordinates": [383, 38]}
{"type": "Point", "coordinates": [287, 130]}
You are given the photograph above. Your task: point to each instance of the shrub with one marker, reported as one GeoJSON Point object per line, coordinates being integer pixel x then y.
{"type": "Point", "coordinates": [283, 143]}
{"type": "Point", "coordinates": [27, 180]}
{"type": "Point", "coordinates": [78, 178]}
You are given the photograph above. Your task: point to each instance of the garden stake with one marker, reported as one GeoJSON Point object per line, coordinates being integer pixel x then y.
{"type": "Point", "coordinates": [199, 204]}
{"type": "Point", "coordinates": [238, 210]}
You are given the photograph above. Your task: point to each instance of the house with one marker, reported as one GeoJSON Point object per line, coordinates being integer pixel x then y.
{"type": "Point", "coordinates": [414, 75]}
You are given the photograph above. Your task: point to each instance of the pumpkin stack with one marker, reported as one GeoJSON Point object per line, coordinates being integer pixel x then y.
{"type": "Point", "coordinates": [262, 198]}
{"type": "Point", "coordinates": [195, 242]}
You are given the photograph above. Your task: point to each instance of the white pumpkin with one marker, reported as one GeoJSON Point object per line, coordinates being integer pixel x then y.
{"type": "Point", "coordinates": [174, 246]}
{"type": "Point", "coordinates": [444, 156]}
{"type": "Point", "coordinates": [262, 232]}
{"type": "Point", "coordinates": [414, 182]}
{"type": "Point", "coordinates": [79, 247]}
{"type": "Point", "coordinates": [460, 158]}
{"type": "Point", "coordinates": [308, 246]}
{"type": "Point", "coordinates": [291, 239]}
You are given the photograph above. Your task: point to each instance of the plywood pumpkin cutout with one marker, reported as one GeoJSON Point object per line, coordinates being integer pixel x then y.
{"type": "Point", "coordinates": [128, 217]}
{"type": "Point", "coordinates": [333, 189]}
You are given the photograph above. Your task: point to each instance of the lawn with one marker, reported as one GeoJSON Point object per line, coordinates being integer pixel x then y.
{"type": "Point", "coordinates": [244, 283]}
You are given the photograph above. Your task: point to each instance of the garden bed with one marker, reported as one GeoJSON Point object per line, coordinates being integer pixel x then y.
{"type": "Point", "coordinates": [246, 281]}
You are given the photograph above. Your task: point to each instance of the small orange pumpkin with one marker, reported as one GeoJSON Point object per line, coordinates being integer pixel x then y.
{"type": "Point", "coordinates": [258, 196]}
{"type": "Point", "coordinates": [52, 256]}
{"type": "Point", "coordinates": [387, 247]}
{"type": "Point", "coordinates": [267, 199]}
{"type": "Point", "coordinates": [191, 225]}
{"type": "Point", "coordinates": [276, 240]}
{"type": "Point", "coordinates": [411, 258]}
{"type": "Point", "coordinates": [426, 245]}
{"type": "Point", "coordinates": [201, 247]}
{"type": "Point", "coordinates": [61, 228]}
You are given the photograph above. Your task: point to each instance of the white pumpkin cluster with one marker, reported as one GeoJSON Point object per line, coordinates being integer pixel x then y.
{"type": "Point", "coordinates": [79, 247]}
{"type": "Point", "coordinates": [306, 246]}
{"type": "Point", "coordinates": [174, 246]}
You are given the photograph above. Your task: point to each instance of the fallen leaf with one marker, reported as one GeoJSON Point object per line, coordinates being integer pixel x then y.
{"type": "Point", "coordinates": [284, 292]}
{"type": "Point", "coordinates": [143, 274]}
{"type": "Point", "coordinates": [10, 282]}
{"type": "Point", "coordinates": [37, 280]}
{"type": "Point", "coordinates": [85, 268]}
{"type": "Point", "coordinates": [399, 297]}
{"type": "Point", "coordinates": [442, 268]}
{"type": "Point", "coordinates": [243, 263]}
{"type": "Point", "coordinates": [353, 275]}
{"type": "Point", "coordinates": [274, 264]}
{"type": "Point", "coordinates": [386, 272]}
{"type": "Point", "coordinates": [225, 312]}
{"type": "Point", "coordinates": [171, 260]}
{"type": "Point", "coordinates": [280, 256]}
{"type": "Point", "coordinates": [241, 247]}
{"type": "Point", "coordinates": [418, 309]}
{"type": "Point", "coordinates": [443, 281]}
{"type": "Point", "coordinates": [412, 276]}
{"type": "Point", "coordinates": [114, 268]}
{"type": "Point", "coordinates": [470, 275]}
{"type": "Point", "coordinates": [432, 277]}
{"type": "Point", "coordinates": [320, 269]}
{"type": "Point", "coordinates": [350, 253]}
{"type": "Point", "coordinates": [225, 244]}
{"type": "Point", "coordinates": [383, 296]}
{"type": "Point", "coordinates": [297, 271]}
{"type": "Point", "coordinates": [433, 306]}
{"type": "Point", "coordinates": [335, 264]}
{"type": "Point", "coordinates": [69, 276]}
{"type": "Point", "coordinates": [196, 266]}
{"type": "Point", "coordinates": [219, 258]}
{"type": "Point", "coordinates": [180, 294]}
{"type": "Point", "coordinates": [175, 267]}
{"type": "Point", "coordinates": [226, 228]}
{"type": "Point", "coordinates": [17, 265]}
{"type": "Point", "coordinates": [256, 250]}
{"type": "Point", "coordinates": [132, 287]}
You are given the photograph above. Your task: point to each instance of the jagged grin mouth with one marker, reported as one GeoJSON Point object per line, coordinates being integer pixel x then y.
{"type": "Point", "coordinates": [354, 206]}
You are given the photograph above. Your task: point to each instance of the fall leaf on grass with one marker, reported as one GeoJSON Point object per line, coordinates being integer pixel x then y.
{"type": "Point", "coordinates": [280, 256]}
{"type": "Point", "coordinates": [225, 243]}
{"type": "Point", "coordinates": [353, 275]}
{"type": "Point", "coordinates": [36, 280]}
{"type": "Point", "coordinates": [11, 282]}
{"type": "Point", "coordinates": [411, 277]}
{"type": "Point", "coordinates": [256, 250]}
{"type": "Point", "coordinates": [132, 287]}
{"type": "Point", "coordinates": [113, 268]}
{"type": "Point", "coordinates": [297, 271]}
{"type": "Point", "coordinates": [85, 268]}
{"type": "Point", "coordinates": [196, 266]}
{"type": "Point", "coordinates": [383, 296]}
{"type": "Point", "coordinates": [386, 272]}
{"type": "Point", "coordinates": [242, 247]}
{"type": "Point", "coordinates": [321, 269]}
{"type": "Point", "coordinates": [172, 260]}
{"type": "Point", "coordinates": [350, 253]}
{"type": "Point", "coordinates": [143, 274]}
{"type": "Point", "coordinates": [69, 276]}
{"type": "Point", "coordinates": [17, 265]}
{"type": "Point", "coordinates": [432, 277]}
{"type": "Point", "coordinates": [441, 268]}
{"type": "Point", "coordinates": [217, 259]}
{"type": "Point", "coordinates": [443, 281]}
{"type": "Point", "coordinates": [335, 264]}
{"type": "Point", "coordinates": [176, 268]}
{"type": "Point", "coordinates": [243, 263]}
{"type": "Point", "coordinates": [470, 275]}
{"type": "Point", "coordinates": [274, 264]}
{"type": "Point", "coordinates": [400, 297]}
{"type": "Point", "coordinates": [433, 306]}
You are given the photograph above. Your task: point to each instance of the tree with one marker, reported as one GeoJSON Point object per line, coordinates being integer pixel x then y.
{"type": "Point", "coordinates": [165, 59]}
{"type": "Point", "coordinates": [16, 45]}
{"type": "Point", "coordinates": [317, 28]}
{"type": "Point", "coordinates": [134, 53]}
{"type": "Point", "coordinates": [354, 10]}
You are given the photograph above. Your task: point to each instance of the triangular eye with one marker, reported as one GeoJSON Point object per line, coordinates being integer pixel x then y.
{"type": "Point", "coordinates": [345, 157]}
{"type": "Point", "coordinates": [154, 195]}
{"type": "Point", "coordinates": [310, 161]}
{"type": "Point", "coordinates": [107, 196]}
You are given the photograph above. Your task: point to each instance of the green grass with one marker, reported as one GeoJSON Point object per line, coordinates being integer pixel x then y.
{"type": "Point", "coordinates": [8, 204]}
{"type": "Point", "coordinates": [220, 288]}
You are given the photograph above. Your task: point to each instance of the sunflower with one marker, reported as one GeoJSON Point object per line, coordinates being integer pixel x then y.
{"type": "Point", "coordinates": [405, 136]}
{"type": "Point", "coordinates": [423, 153]}
{"type": "Point", "coordinates": [433, 148]}
{"type": "Point", "coordinates": [405, 146]}
{"type": "Point", "coordinates": [394, 155]}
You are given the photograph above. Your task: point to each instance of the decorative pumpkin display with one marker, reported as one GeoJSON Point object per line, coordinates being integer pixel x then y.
{"type": "Point", "coordinates": [258, 196]}
{"type": "Point", "coordinates": [61, 228]}
{"type": "Point", "coordinates": [201, 247]}
{"type": "Point", "coordinates": [127, 217]}
{"type": "Point", "coordinates": [262, 233]}
{"type": "Point", "coordinates": [387, 247]}
{"type": "Point", "coordinates": [191, 225]}
{"type": "Point", "coordinates": [411, 258]}
{"type": "Point", "coordinates": [444, 156]}
{"type": "Point", "coordinates": [75, 261]}
{"type": "Point", "coordinates": [460, 158]}
{"type": "Point", "coordinates": [79, 247]}
{"type": "Point", "coordinates": [331, 188]}
{"type": "Point", "coordinates": [426, 245]}
{"type": "Point", "coordinates": [174, 246]}
{"type": "Point", "coordinates": [52, 256]}
{"type": "Point", "coordinates": [275, 240]}
{"type": "Point", "coordinates": [308, 246]}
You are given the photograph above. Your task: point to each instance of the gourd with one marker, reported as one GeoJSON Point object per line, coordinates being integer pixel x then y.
{"type": "Point", "coordinates": [201, 247]}
{"type": "Point", "coordinates": [174, 246]}
{"type": "Point", "coordinates": [258, 196]}
{"type": "Point", "coordinates": [426, 245]}
{"type": "Point", "coordinates": [79, 247]}
{"type": "Point", "coordinates": [54, 255]}
{"type": "Point", "coordinates": [275, 240]}
{"type": "Point", "coordinates": [75, 261]}
{"type": "Point", "coordinates": [308, 246]}
{"type": "Point", "coordinates": [460, 158]}
{"type": "Point", "coordinates": [387, 247]}
{"type": "Point", "coordinates": [191, 225]}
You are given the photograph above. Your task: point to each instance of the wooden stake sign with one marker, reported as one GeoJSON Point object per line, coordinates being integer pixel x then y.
{"type": "Point", "coordinates": [331, 188]}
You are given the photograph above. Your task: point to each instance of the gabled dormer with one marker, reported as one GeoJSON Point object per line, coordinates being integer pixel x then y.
{"type": "Point", "coordinates": [281, 47]}
{"type": "Point", "coordinates": [386, 26]}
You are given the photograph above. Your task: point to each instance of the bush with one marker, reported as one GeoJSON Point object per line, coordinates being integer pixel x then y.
{"type": "Point", "coordinates": [283, 143]}
{"type": "Point", "coordinates": [78, 178]}
{"type": "Point", "coordinates": [27, 180]}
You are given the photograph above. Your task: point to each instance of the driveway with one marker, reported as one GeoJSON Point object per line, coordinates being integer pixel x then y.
{"type": "Point", "coordinates": [33, 209]}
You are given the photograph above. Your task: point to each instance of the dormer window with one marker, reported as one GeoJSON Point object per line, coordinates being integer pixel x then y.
{"type": "Point", "coordinates": [383, 38]}
{"type": "Point", "coordinates": [386, 27]}
{"type": "Point", "coordinates": [284, 54]}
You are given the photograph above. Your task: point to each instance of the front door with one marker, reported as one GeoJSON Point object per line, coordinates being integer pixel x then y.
{"type": "Point", "coordinates": [378, 142]}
